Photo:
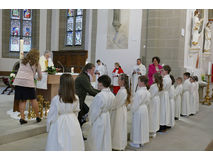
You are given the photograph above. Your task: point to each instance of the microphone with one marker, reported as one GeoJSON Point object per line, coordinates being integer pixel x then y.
{"type": "Point", "coordinates": [61, 65]}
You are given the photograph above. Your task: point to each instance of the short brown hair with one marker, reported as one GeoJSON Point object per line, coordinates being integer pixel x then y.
{"type": "Point", "coordinates": [66, 90]}
{"type": "Point", "coordinates": [88, 66]}
{"type": "Point", "coordinates": [32, 57]}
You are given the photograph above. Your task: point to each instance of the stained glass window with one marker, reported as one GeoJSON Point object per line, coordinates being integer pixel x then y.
{"type": "Point", "coordinates": [74, 28]}
{"type": "Point", "coordinates": [78, 37]}
{"type": "Point", "coordinates": [21, 28]}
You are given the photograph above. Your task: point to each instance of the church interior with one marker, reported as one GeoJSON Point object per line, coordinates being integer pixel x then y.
{"type": "Point", "coordinates": [181, 38]}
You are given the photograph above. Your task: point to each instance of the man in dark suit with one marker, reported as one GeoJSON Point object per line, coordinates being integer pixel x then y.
{"type": "Point", "coordinates": [84, 87]}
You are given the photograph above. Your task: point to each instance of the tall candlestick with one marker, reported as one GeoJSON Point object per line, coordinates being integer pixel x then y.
{"type": "Point", "coordinates": [21, 48]}
{"type": "Point", "coordinates": [209, 68]}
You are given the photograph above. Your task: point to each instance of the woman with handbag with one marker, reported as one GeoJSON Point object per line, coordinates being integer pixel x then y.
{"type": "Point", "coordinates": [25, 85]}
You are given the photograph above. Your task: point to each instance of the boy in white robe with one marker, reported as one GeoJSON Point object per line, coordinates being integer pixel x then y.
{"type": "Point", "coordinates": [185, 110]}
{"type": "Point", "coordinates": [138, 70]}
{"type": "Point", "coordinates": [164, 99]}
{"type": "Point", "coordinates": [119, 114]}
{"type": "Point", "coordinates": [139, 134]}
{"type": "Point", "coordinates": [178, 95]}
{"type": "Point", "coordinates": [192, 96]}
{"type": "Point", "coordinates": [99, 137]}
{"type": "Point", "coordinates": [172, 102]}
{"type": "Point", "coordinates": [99, 71]}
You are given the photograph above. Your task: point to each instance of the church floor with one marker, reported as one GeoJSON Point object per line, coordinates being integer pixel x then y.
{"type": "Point", "coordinates": [193, 133]}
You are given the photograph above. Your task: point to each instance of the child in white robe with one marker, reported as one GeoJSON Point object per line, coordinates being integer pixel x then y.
{"type": "Point", "coordinates": [99, 71]}
{"type": "Point", "coordinates": [185, 110]}
{"type": "Point", "coordinates": [140, 119]}
{"type": "Point", "coordinates": [192, 96]}
{"type": "Point", "coordinates": [197, 101]}
{"type": "Point", "coordinates": [178, 95]}
{"type": "Point", "coordinates": [99, 137]}
{"type": "Point", "coordinates": [172, 102]}
{"type": "Point", "coordinates": [119, 114]}
{"type": "Point", "coordinates": [164, 99]}
{"type": "Point", "coordinates": [154, 105]}
{"type": "Point", "coordinates": [64, 132]}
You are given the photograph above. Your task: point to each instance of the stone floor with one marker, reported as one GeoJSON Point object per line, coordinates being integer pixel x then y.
{"type": "Point", "coordinates": [189, 134]}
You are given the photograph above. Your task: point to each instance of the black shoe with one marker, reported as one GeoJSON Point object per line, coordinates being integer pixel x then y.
{"type": "Point", "coordinates": [38, 119]}
{"type": "Point", "coordinates": [22, 121]}
{"type": "Point", "coordinates": [84, 138]}
{"type": "Point", "coordinates": [176, 118]}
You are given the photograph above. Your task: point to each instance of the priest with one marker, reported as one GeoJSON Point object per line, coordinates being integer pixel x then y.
{"type": "Point", "coordinates": [138, 70]}
{"type": "Point", "coordinates": [46, 61]}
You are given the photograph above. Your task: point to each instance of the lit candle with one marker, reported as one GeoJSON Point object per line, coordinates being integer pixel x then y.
{"type": "Point", "coordinates": [209, 68]}
{"type": "Point", "coordinates": [21, 47]}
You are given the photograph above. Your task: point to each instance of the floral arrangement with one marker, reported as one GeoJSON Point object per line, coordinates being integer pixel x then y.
{"type": "Point", "coordinates": [12, 77]}
{"type": "Point", "coordinates": [203, 77]}
{"type": "Point", "coordinates": [51, 70]}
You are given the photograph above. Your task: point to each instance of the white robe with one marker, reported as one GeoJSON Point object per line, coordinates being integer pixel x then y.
{"type": "Point", "coordinates": [137, 68]}
{"type": "Point", "coordinates": [64, 132]}
{"type": "Point", "coordinates": [172, 106]}
{"type": "Point", "coordinates": [164, 101]}
{"type": "Point", "coordinates": [154, 109]}
{"type": "Point", "coordinates": [178, 95]}
{"type": "Point", "coordinates": [101, 70]}
{"type": "Point", "coordinates": [42, 60]}
{"type": "Point", "coordinates": [140, 118]}
{"type": "Point", "coordinates": [119, 120]}
{"type": "Point", "coordinates": [99, 137]}
{"type": "Point", "coordinates": [185, 110]}
{"type": "Point", "coordinates": [197, 101]}
{"type": "Point", "coordinates": [193, 98]}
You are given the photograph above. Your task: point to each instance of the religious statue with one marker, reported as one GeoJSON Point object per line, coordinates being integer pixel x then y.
{"type": "Point", "coordinates": [197, 24]}
{"type": "Point", "coordinates": [116, 19]}
{"type": "Point", "coordinates": [207, 45]}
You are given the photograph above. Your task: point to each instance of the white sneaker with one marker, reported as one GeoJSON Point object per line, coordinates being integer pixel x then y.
{"type": "Point", "coordinates": [134, 145]}
{"type": "Point", "coordinates": [153, 135]}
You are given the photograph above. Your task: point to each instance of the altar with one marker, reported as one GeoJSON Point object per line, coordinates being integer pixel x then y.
{"type": "Point", "coordinates": [53, 82]}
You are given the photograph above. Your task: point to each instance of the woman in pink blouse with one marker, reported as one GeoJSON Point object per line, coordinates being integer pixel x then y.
{"type": "Point", "coordinates": [25, 85]}
{"type": "Point", "coordinates": [154, 68]}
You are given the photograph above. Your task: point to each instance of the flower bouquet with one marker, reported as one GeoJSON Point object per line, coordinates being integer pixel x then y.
{"type": "Point", "coordinates": [51, 70]}
{"type": "Point", "coordinates": [12, 78]}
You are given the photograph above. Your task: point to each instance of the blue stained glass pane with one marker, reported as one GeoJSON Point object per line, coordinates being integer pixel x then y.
{"type": "Point", "coordinates": [78, 25]}
{"type": "Point", "coordinates": [15, 14]}
{"type": "Point", "coordinates": [14, 44]}
{"type": "Point", "coordinates": [27, 14]}
{"type": "Point", "coordinates": [27, 28]}
{"type": "Point", "coordinates": [69, 38]}
{"type": "Point", "coordinates": [27, 44]}
{"type": "Point", "coordinates": [79, 12]}
{"type": "Point", "coordinates": [15, 28]}
{"type": "Point", "coordinates": [78, 37]}
{"type": "Point", "coordinates": [70, 24]}
{"type": "Point", "coordinates": [70, 12]}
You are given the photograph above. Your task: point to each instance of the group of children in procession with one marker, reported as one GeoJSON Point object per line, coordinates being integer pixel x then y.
{"type": "Point", "coordinates": [154, 108]}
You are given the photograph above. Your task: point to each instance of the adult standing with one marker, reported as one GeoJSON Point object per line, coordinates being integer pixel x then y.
{"type": "Point", "coordinates": [46, 61]}
{"type": "Point", "coordinates": [138, 70]}
{"type": "Point", "coordinates": [25, 85]}
{"type": "Point", "coordinates": [84, 87]}
{"type": "Point", "coordinates": [154, 68]}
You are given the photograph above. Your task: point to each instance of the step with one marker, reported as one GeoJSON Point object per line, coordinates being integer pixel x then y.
{"type": "Point", "coordinates": [25, 131]}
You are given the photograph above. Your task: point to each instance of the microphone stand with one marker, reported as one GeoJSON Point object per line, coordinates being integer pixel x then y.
{"type": "Point", "coordinates": [61, 65]}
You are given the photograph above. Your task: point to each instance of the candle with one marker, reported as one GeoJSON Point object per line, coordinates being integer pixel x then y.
{"type": "Point", "coordinates": [209, 68]}
{"type": "Point", "coordinates": [21, 48]}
